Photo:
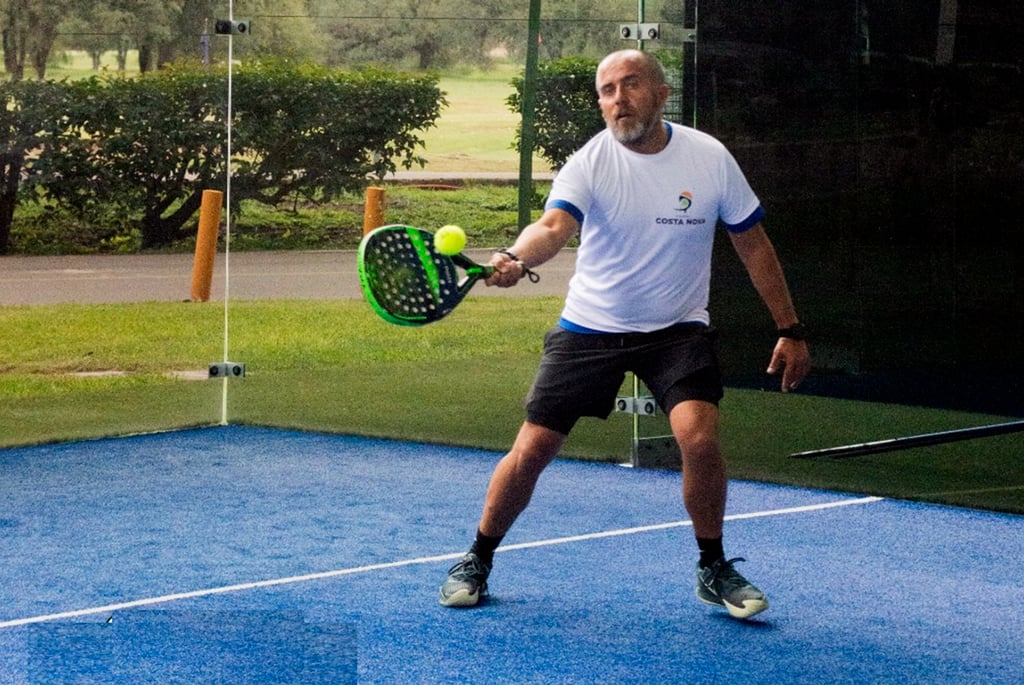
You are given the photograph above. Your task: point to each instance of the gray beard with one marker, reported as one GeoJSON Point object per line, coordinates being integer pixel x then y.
{"type": "Point", "coordinates": [633, 133]}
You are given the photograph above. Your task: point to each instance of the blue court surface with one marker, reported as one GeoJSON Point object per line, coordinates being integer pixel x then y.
{"type": "Point", "coordinates": [252, 555]}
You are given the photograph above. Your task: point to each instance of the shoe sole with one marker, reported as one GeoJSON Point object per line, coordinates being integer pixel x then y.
{"type": "Point", "coordinates": [751, 607]}
{"type": "Point", "coordinates": [461, 599]}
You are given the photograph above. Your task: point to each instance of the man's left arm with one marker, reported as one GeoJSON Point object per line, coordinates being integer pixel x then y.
{"type": "Point", "coordinates": [758, 255]}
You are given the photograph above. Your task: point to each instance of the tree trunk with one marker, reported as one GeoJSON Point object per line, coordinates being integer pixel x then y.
{"type": "Point", "coordinates": [14, 54]}
{"type": "Point", "coordinates": [159, 231]}
{"type": "Point", "coordinates": [145, 57]}
{"type": "Point", "coordinates": [10, 177]}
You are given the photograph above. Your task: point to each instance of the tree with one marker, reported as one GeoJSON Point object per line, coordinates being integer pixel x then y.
{"type": "Point", "coordinates": [568, 28]}
{"type": "Point", "coordinates": [423, 34]}
{"type": "Point", "coordinates": [281, 28]}
{"type": "Point", "coordinates": [93, 26]}
{"type": "Point", "coordinates": [284, 29]}
{"type": "Point", "coordinates": [151, 25]}
{"type": "Point", "coordinates": [15, 31]}
{"type": "Point", "coordinates": [29, 28]}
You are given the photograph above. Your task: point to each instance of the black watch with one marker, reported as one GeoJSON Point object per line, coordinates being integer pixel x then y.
{"type": "Point", "coordinates": [795, 332]}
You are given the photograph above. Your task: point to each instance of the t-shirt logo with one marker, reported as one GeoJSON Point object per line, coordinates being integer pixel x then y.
{"type": "Point", "coordinates": [685, 201]}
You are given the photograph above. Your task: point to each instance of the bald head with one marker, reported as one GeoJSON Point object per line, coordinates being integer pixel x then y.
{"type": "Point", "coordinates": [642, 61]}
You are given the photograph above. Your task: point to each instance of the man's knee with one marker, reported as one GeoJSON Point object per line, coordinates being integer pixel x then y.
{"type": "Point", "coordinates": [536, 446]}
{"type": "Point", "coordinates": [695, 427]}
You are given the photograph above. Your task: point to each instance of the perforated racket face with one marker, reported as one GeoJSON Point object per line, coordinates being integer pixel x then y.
{"type": "Point", "coordinates": [404, 279]}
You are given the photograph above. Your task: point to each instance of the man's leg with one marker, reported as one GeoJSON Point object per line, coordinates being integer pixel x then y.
{"type": "Point", "coordinates": [515, 477]}
{"type": "Point", "coordinates": [508, 494]}
{"type": "Point", "coordinates": [695, 426]}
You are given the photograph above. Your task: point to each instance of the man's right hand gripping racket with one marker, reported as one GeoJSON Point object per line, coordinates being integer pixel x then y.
{"type": "Point", "coordinates": [408, 282]}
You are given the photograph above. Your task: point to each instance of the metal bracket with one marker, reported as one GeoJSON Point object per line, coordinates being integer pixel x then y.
{"type": "Point", "coordinates": [227, 370]}
{"type": "Point", "coordinates": [650, 31]}
{"type": "Point", "coordinates": [233, 27]}
{"type": "Point", "coordinates": [656, 452]}
{"type": "Point", "coordinates": [640, 31]}
{"type": "Point", "coordinates": [641, 406]}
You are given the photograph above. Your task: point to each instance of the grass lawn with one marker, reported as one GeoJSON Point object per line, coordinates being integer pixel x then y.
{"type": "Point", "coordinates": [476, 132]}
{"type": "Point", "coordinates": [75, 64]}
{"type": "Point", "coordinates": [84, 371]}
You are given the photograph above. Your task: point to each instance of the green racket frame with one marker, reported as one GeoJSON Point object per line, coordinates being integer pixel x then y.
{"type": "Point", "coordinates": [407, 281]}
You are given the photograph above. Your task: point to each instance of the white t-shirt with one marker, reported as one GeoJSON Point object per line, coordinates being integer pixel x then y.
{"type": "Point", "coordinates": [648, 224]}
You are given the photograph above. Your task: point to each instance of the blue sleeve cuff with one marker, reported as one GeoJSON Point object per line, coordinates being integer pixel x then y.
{"type": "Point", "coordinates": [566, 206]}
{"type": "Point", "coordinates": [748, 223]}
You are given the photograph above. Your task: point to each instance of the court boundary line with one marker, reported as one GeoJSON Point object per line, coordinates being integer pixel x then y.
{"type": "Point", "coordinates": [337, 573]}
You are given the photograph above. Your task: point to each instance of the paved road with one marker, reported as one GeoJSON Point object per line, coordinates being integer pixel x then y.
{"type": "Point", "coordinates": [251, 275]}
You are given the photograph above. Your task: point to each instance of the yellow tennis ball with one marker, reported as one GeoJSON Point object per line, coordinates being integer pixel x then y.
{"type": "Point", "coordinates": [449, 240]}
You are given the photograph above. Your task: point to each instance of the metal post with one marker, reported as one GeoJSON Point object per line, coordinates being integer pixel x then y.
{"type": "Point", "coordinates": [527, 133]}
{"type": "Point", "coordinates": [640, 18]}
{"type": "Point", "coordinates": [908, 442]}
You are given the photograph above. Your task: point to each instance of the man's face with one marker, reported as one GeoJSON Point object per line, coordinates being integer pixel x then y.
{"type": "Point", "coordinates": [630, 100]}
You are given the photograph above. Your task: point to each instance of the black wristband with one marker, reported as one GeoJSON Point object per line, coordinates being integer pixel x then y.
{"type": "Point", "coordinates": [795, 332]}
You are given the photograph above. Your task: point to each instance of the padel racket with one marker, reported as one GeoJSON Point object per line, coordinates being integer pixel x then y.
{"type": "Point", "coordinates": [407, 281]}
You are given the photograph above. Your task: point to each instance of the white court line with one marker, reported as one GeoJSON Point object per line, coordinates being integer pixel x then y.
{"type": "Point", "coordinates": [681, 524]}
{"type": "Point", "coordinates": [240, 587]}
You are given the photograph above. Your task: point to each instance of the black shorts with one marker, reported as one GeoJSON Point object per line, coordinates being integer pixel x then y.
{"type": "Point", "coordinates": [581, 373]}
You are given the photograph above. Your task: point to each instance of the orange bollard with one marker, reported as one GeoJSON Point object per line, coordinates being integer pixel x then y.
{"type": "Point", "coordinates": [206, 244]}
{"type": "Point", "coordinates": [373, 213]}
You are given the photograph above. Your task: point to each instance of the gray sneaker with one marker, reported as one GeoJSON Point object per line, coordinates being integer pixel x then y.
{"type": "Point", "coordinates": [466, 583]}
{"type": "Point", "coordinates": [721, 585]}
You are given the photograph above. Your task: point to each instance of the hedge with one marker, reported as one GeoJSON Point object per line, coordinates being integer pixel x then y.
{"type": "Point", "coordinates": [147, 147]}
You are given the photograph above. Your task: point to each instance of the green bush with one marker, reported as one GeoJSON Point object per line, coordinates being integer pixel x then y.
{"type": "Point", "coordinates": [148, 147]}
{"type": "Point", "coordinates": [566, 108]}
{"type": "Point", "coordinates": [142, 146]}
{"type": "Point", "coordinates": [310, 132]}
{"type": "Point", "coordinates": [30, 114]}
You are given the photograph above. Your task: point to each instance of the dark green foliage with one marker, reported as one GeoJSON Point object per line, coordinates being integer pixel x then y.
{"type": "Point", "coordinates": [312, 132]}
{"type": "Point", "coordinates": [567, 114]}
{"type": "Point", "coordinates": [148, 147]}
{"type": "Point", "coordinates": [30, 114]}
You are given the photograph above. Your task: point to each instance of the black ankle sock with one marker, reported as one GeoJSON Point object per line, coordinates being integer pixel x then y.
{"type": "Point", "coordinates": [484, 546]}
{"type": "Point", "coordinates": [710, 550]}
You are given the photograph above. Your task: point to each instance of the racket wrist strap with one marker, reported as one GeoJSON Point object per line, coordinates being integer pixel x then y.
{"type": "Point", "coordinates": [533, 276]}
{"type": "Point", "coordinates": [512, 255]}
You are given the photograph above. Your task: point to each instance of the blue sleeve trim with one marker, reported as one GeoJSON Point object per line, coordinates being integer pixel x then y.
{"type": "Point", "coordinates": [747, 223]}
{"type": "Point", "coordinates": [566, 206]}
